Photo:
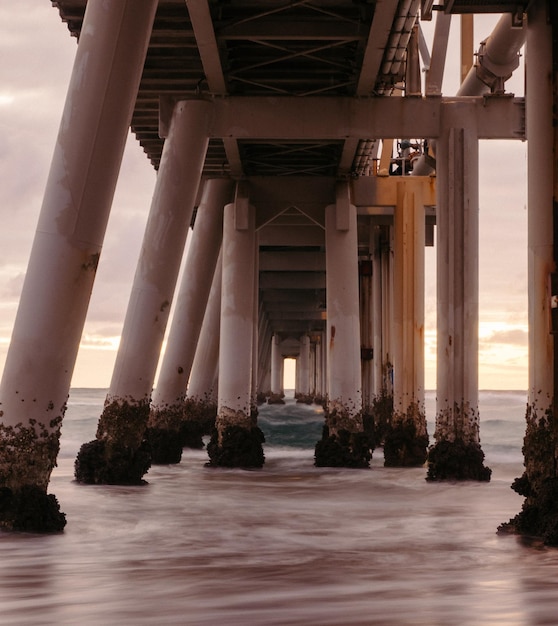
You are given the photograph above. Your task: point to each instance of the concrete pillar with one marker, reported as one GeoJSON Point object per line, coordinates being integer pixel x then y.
{"type": "Point", "coordinates": [313, 369]}
{"type": "Point", "coordinates": [323, 341]}
{"type": "Point", "coordinates": [200, 407]}
{"type": "Point", "coordinates": [406, 439]}
{"type": "Point", "coordinates": [320, 388]}
{"type": "Point", "coordinates": [382, 403]}
{"type": "Point", "coordinates": [65, 254]}
{"type": "Point", "coordinates": [255, 329]}
{"type": "Point", "coordinates": [539, 483]}
{"type": "Point", "coordinates": [276, 396]}
{"type": "Point", "coordinates": [206, 359]}
{"type": "Point", "coordinates": [457, 453]}
{"type": "Point", "coordinates": [264, 358]}
{"type": "Point", "coordinates": [376, 314]}
{"type": "Point", "coordinates": [166, 417]}
{"type": "Point", "coordinates": [238, 440]}
{"type": "Point", "coordinates": [303, 391]}
{"type": "Point", "coordinates": [343, 443]}
{"type": "Point", "coordinates": [366, 332]}
{"type": "Point", "coordinates": [118, 454]}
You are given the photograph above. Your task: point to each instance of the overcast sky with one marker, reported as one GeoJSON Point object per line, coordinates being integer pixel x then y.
{"type": "Point", "coordinates": [36, 56]}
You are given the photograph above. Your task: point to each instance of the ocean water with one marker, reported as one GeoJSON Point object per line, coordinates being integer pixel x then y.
{"type": "Point", "coordinates": [290, 544]}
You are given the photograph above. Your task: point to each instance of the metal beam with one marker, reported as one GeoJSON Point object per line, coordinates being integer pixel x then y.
{"type": "Point", "coordinates": [200, 16]}
{"type": "Point", "coordinates": [384, 14]}
{"type": "Point", "coordinates": [291, 118]}
{"type": "Point", "coordinates": [292, 261]}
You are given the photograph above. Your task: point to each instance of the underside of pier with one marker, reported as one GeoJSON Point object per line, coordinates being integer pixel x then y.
{"type": "Point", "coordinates": [310, 152]}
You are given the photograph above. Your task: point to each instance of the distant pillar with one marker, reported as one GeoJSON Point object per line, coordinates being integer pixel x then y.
{"type": "Point", "coordinates": [382, 402]}
{"type": "Point", "coordinates": [255, 330]}
{"type": "Point", "coordinates": [539, 483]}
{"type": "Point", "coordinates": [457, 453]}
{"type": "Point", "coordinates": [264, 358]}
{"type": "Point", "coordinates": [313, 370]}
{"type": "Point", "coordinates": [276, 396]}
{"type": "Point", "coordinates": [365, 267]}
{"type": "Point", "coordinates": [377, 295]}
{"type": "Point", "coordinates": [238, 440]}
{"type": "Point", "coordinates": [406, 439]}
{"type": "Point", "coordinates": [318, 369]}
{"type": "Point", "coordinates": [343, 443]}
{"type": "Point", "coordinates": [64, 258]}
{"type": "Point", "coordinates": [119, 455]}
{"type": "Point", "coordinates": [200, 409]}
{"type": "Point", "coordinates": [206, 359]}
{"type": "Point", "coordinates": [304, 367]}
{"type": "Point", "coordinates": [165, 420]}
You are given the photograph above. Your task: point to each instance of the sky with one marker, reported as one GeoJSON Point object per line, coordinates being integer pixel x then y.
{"type": "Point", "coordinates": [36, 56]}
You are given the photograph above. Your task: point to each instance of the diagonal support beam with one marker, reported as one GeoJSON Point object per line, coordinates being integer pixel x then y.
{"type": "Point", "coordinates": [200, 16]}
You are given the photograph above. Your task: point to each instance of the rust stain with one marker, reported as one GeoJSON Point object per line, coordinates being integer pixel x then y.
{"type": "Point", "coordinates": [92, 263]}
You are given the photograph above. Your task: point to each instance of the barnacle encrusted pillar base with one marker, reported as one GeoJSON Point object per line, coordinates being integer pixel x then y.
{"type": "Point", "coordinates": [457, 453]}
{"type": "Point", "coordinates": [120, 453]}
{"type": "Point", "coordinates": [539, 482]}
{"type": "Point", "coordinates": [163, 434]}
{"type": "Point", "coordinates": [344, 442]}
{"type": "Point", "coordinates": [406, 439]}
{"type": "Point", "coordinates": [27, 458]}
{"type": "Point", "coordinates": [237, 441]}
{"type": "Point", "coordinates": [199, 420]}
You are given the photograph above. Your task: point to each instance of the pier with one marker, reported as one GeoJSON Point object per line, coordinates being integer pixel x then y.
{"type": "Point", "coordinates": [309, 147]}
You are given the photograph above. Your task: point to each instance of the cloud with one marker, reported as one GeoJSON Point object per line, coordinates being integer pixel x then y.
{"type": "Point", "coordinates": [511, 337]}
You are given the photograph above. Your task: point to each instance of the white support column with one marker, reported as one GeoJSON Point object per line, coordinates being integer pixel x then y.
{"type": "Point", "coordinates": [367, 331]}
{"type": "Point", "coordinates": [344, 412]}
{"type": "Point", "coordinates": [457, 415]}
{"type": "Point", "coordinates": [238, 442]}
{"type": "Point", "coordinates": [324, 368]}
{"type": "Point", "coordinates": [377, 297]}
{"type": "Point", "coordinates": [387, 312]}
{"type": "Point", "coordinates": [406, 441]}
{"type": "Point", "coordinates": [70, 233]}
{"type": "Point", "coordinates": [255, 327]}
{"type": "Point", "coordinates": [166, 419]}
{"type": "Point", "coordinates": [319, 348]}
{"type": "Point", "coordinates": [264, 359]}
{"type": "Point", "coordinates": [201, 387]}
{"type": "Point", "coordinates": [276, 396]}
{"type": "Point", "coordinates": [540, 446]}
{"type": "Point", "coordinates": [304, 367]}
{"type": "Point", "coordinates": [192, 297]}
{"type": "Point", "coordinates": [313, 370]}
{"type": "Point", "coordinates": [542, 154]}
{"type": "Point", "coordinates": [122, 425]}
{"type": "Point", "coordinates": [200, 407]}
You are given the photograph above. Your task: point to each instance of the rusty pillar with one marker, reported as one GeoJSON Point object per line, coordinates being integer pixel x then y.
{"type": "Point", "coordinates": [406, 439]}
{"type": "Point", "coordinates": [539, 482]}
{"type": "Point", "coordinates": [65, 254]}
{"type": "Point", "coordinates": [120, 454]}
